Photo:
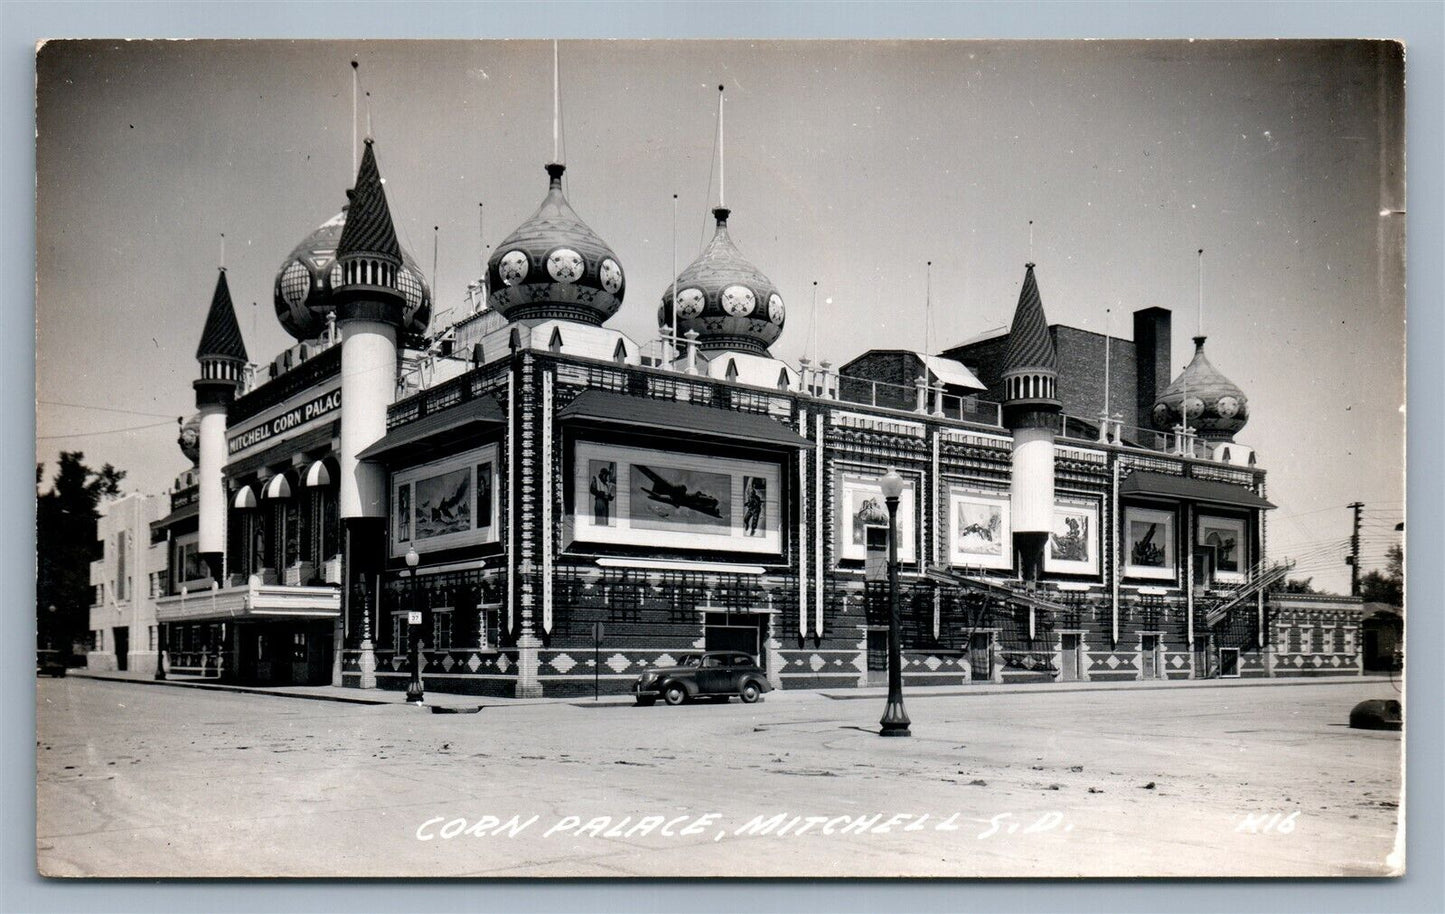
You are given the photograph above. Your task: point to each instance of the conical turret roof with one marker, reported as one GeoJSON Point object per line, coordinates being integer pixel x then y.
{"type": "Point", "coordinates": [221, 337]}
{"type": "Point", "coordinates": [368, 228]}
{"type": "Point", "coordinates": [1030, 348]}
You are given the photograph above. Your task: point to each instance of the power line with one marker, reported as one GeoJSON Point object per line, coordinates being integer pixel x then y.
{"type": "Point", "coordinates": [110, 431]}
{"type": "Point", "coordinates": [105, 409]}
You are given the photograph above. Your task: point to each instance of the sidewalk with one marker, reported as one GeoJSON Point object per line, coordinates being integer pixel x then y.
{"type": "Point", "coordinates": [452, 701]}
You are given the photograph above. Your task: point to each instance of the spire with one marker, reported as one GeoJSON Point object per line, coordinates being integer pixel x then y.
{"type": "Point", "coordinates": [222, 336]}
{"type": "Point", "coordinates": [369, 229]}
{"type": "Point", "coordinates": [1029, 344]}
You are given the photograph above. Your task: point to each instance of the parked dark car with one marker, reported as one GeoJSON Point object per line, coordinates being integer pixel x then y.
{"type": "Point", "coordinates": [49, 663]}
{"type": "Point", "coordinates": [716, 674]}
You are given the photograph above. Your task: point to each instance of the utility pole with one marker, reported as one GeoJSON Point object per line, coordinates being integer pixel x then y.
{"type": "Point", "coordinates": [1357, 507]}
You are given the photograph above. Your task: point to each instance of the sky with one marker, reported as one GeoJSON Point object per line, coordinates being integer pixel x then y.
{"type": "Point", "coordinates": [851, 164]}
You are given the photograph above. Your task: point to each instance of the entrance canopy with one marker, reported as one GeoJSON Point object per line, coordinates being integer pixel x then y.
{"type": "Point", "coordinates": [1188, 489]}
{"type": "Point", "coordinates": [252, 601]}
{"type": "Point", "coordinates": [612, 408]}
{"type": "Point", "coordinates": [437, 429]}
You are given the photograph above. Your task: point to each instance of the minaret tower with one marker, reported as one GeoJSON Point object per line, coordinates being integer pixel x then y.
{"type": "Point", "coordinates": [370, 311]}
{"type": "Point", "coordinates": [222, 355]}
{"type": "Point", "coordinates": [1031, 410]}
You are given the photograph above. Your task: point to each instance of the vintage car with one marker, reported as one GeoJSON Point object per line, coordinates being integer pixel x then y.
{"type": "Point", "coordinates": [49, 663]}
{"type": "Point", "coordinates": [716, 674]}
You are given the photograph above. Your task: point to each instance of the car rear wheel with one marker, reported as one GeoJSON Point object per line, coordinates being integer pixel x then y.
{"type": "Point", "coordinates": [674, 694]}
{"type": "Point", "coordinates": [750, 693]}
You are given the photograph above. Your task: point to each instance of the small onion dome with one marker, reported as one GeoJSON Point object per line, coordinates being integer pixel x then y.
{"type": "Point", "coordinates": [1217, 408]}
{"type": "Point", "coordinates": [303, 284]}
{"type": "Point", "coordinates": [727, 300]}
{"type": "Point", "coordinates": [555, 267]}
{"type": "Point", "coordinates": [189, 438]}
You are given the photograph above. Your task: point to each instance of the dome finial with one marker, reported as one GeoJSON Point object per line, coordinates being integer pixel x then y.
{"type": "Point", "coordinates": [721, 160]}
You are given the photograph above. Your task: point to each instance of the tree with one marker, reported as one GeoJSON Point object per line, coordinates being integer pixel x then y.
{"type": "Point", "coordinates": [65, 531]}
{"type": "Point", "coordinates": [1294, 585]}
{"type": "Point", "coordinates": [1387, 586]}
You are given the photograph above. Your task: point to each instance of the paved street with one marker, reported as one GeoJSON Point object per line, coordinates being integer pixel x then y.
{"type": "Point", "coordinates": [140, 780]}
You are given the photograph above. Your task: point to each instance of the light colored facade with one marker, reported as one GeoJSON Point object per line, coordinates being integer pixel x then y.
{"type": "Point", "coordinates": [125, 582]}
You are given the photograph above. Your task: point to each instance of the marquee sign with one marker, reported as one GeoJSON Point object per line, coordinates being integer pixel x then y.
{"type": "Point", "coordinates": [294, 415]}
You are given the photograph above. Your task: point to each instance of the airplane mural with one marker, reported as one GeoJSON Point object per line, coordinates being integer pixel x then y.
{"type": "Point", "coordinates": [678, 495]}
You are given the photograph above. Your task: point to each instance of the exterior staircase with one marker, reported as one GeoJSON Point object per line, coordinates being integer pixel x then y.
{"type": "Point", "coordinates": [1260, 578]}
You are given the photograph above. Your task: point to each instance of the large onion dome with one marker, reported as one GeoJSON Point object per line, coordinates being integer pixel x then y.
{"type": "Point", "coordinates": [304, 283]}
{"type": "Point", "coordinates": [727, 300]}
{"type": "Point", "coordinates": [1217, 408]}
{"type": "Point", "coordinates": [555, 267]}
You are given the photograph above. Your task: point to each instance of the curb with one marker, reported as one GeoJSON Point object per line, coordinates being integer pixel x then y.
{"type": "Point", "coordinates": [868, 694]}
{"type": "Point", "coordinates": [1162, 686]}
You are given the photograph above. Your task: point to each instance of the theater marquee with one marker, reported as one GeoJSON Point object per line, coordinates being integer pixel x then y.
{"type": "Point", "coordinates": [293, 416]}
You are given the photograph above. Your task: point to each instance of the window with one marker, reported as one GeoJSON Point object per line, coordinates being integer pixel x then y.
{"type": "Point", "coordinates": [1317, 640]}
{"type": "Point", "coordinates": [150, 638]}
{"type": "Point", "coordinates": [1339, 645]}
{"type": "Point", "coordinates": [1295, 640]}
{"type": "Point", "coordinates": [99, 597]}
{"type": "Point", "coordinates": [121, 581]}
{"type": "Point", "coordinates": [400, 632]}
{"type": "Point", "coordinates": [442, 629]}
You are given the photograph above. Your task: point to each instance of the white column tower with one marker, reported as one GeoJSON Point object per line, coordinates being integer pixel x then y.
{"type": "Point", "coordinates": [370, 312]}
{"type": "Point", "coordinates": [222, 355]}
{"type": "Point", "coordinates": [1031, 410]}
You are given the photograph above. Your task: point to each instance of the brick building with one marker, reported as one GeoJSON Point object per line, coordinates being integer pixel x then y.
{"type": "Point", "coordinates": [530, 478]}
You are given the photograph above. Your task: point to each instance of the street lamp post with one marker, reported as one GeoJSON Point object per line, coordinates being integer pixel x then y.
{"type": "Point", "coordinates": [160, 673]}
{"type": "Point", "coordinates": [895, 720]}
{"type": "Point", "coordinates": [414, 692]}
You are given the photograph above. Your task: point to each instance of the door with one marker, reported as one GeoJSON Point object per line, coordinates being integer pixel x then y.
{"type": "Point", "coordinates": [980, 657]}
{"type": "Point", "coordinates": [877, 657]}
{"type": "Point", "coordinates": [1069, 661]}
{"type": "Point", "coordinates": [1149, 656]}
{"type": "Point", "coordinates": [1228, 661]}
{"type": "Point", "coordinates": [122, 647]}
{"type": "Point", "coordinates": [715, 675]}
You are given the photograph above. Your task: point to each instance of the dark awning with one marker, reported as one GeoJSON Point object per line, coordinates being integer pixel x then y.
{"type": "Point", "coordinates": [184, 512]}
{"type": "Point", "coordinates": [669, 415]}
{"type": "Point", "coordinates": [1186, 489]}
{"type": "Point", "coordinates": [446, 427]}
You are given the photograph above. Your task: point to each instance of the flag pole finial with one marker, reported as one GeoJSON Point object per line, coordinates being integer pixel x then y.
{"type": "Point", "coordinates": [721, 157]}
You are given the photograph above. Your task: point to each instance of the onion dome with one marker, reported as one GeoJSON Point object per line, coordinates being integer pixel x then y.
{"type": "Point", "coordinates": [1031, 365]}
{"type": "Point", "coordinates": [306, 279]}
{"type": "Point", "coordinates": [554, 266]}
{"type": "Point", "coordinates": [188, 438]}
{"type": "Point", "coordinates": [1217, 407]}
{"type": "Point", "coordinates": [727, 300]}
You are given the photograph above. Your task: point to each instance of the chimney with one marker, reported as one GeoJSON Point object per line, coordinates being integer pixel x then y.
{"type": "Point", "coordinates": [1151, 355]}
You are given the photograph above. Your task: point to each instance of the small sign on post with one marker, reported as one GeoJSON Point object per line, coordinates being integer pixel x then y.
{"type": "Point", "coordinates": [413, 617]}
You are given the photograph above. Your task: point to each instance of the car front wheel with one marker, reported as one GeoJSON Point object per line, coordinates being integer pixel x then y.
{"type": "Point", "coordinates": [674, 694]}
{"type": "Point", "coordinates": [750, 693]}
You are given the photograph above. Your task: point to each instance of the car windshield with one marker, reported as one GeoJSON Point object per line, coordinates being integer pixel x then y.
{"type": "Point", "coordinates": [690, 660]}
